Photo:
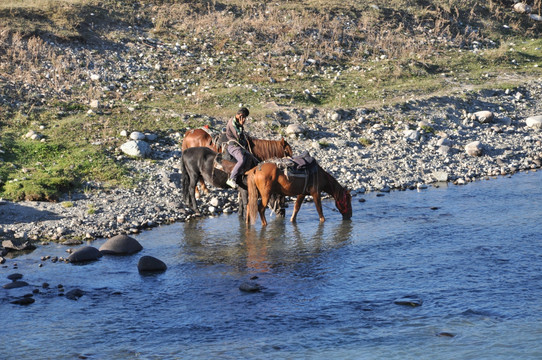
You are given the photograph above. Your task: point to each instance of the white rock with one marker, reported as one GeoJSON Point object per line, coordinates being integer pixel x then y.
{"type": "Point", "coordinates": [423, 123]}
{"type": "Point", "coordinates": [95, 104]}
{"type": "Point", "coordinates": [95, 77]}
{"type": "Point", "coordinates": [136, 148]}
{"type": "Point", "coordinates": [30, 134]}
{"type": "Point", "coordinates": [335, 116]}
{"type": "Point", "coordinates": [295, 129]}
{"type": "Point", "coordinates": [483, 116]}
{"type": "Point", "coordinates": [535, 17]}
{"type": "Point", "coordinates": [474, 148]}
{"type": "Point", "coordinates": [411, 135]}
{"type": "Point", "coordinates": [124, 133]}
{"type": "Point", "coordinates": [441, 176]}
{"type": "Point", "coordinates": [214, 202]}
{"type": "Point", "coordinates": [522, 8]}
{"type": "Point", "coordinates": [534, 122]}
{"type": "Point", "coordinates": [136, 135]}
{"type": "Point", "coordinates": [444, 150]}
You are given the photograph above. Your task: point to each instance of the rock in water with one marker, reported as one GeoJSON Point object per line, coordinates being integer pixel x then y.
{"type": "Point", "coordinates": [74, 294]}
{"type": "Point", "coordinates": [250, 286]}
{"type": "Point", "coordinates": [84, 254]}
{"type": "Point", "coordinates": [121, 245]}
{"type": "Point", "coordinates": [409, 301]}
{"type": "Point", "coordinates": [23, 301]}
{"type": "Point", "coordinates": [151, 264]}
{"type": "Point", "coordinates": [15, 285]}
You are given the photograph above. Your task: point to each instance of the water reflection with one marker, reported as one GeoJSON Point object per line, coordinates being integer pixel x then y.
{"type": "Point", "coordinates": [259, 250]}
{"type": "Point", "coordinates": [257, 257]}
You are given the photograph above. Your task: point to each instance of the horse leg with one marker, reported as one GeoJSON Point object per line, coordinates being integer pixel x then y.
{"type": "Point", "coordinates": [318, 204]}
{"type": "Point", "coordinates": [261, 208]}
{"type": "Point", "coordinates": [297, 206]}
{"type": "Point", "coordinates": [192, 194]}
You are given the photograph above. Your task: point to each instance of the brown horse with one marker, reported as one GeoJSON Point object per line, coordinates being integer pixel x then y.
{"type": "Point", "coordinates": [261, 149]}
{"type": "Point", "coordinates": [198, 137]}
{"type": "Point", "coordinates": [267, 179]}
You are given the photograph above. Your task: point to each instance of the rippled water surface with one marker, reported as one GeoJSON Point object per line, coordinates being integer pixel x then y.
{"type": "Point", "coordinates": [471, 255]}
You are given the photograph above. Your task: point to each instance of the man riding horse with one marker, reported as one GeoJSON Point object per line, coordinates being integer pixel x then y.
{"type": "Point", "coordinates": [237, 143]}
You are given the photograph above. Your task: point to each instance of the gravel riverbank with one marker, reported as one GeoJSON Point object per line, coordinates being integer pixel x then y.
{"type": "Point", "coordinates": [469, 136]}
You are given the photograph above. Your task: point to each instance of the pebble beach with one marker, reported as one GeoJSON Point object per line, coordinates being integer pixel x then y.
{"type": "Point", "coordinates": [471, 136]}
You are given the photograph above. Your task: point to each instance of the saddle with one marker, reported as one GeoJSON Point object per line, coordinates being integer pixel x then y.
{"type": "Point", "coordinates": [298, 166]}
{"type": "Point", "coordinates": [301, 166]}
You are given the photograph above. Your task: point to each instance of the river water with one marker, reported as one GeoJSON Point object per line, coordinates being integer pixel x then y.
{"type": "Point", "coordinates": [470, 255]}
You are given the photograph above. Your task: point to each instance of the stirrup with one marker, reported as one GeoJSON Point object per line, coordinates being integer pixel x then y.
{"type": "Point", "coordinates": [231, 183]}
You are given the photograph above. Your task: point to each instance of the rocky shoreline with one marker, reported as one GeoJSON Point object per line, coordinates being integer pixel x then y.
{"type": "Point", "coordinates": [469, 136]}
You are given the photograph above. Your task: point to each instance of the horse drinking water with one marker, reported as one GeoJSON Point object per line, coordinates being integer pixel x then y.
{"type": "Point", "coordinates": [267, 179]}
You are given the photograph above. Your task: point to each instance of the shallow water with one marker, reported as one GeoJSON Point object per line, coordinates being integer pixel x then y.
{"type": "Point", "coordinates": [475, 263]}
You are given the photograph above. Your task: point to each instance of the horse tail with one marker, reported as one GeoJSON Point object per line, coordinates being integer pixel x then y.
{"type": "Point", "coordinates": [252, 197]}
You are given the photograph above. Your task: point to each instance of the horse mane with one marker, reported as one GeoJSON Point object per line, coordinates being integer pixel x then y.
{"type": "Point", "coordinates": [267, 149]}
{"type": "Point", "coordinates": [335, 188]}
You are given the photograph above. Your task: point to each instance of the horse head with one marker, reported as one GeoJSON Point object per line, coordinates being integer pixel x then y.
{"type": "Point", "coordinates": [344, 204]}
{"type": "Point", "coordinates": [287, 148]}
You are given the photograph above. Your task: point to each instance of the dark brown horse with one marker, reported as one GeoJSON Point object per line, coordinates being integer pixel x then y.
{"type": "Point", "coordinates": [267, 179]}
{"type": "Point", "coordinates": [200, 163]}
{"type": "Point", "coordinates": [261, 149]}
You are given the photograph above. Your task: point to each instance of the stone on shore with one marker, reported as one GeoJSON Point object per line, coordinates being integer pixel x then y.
{"type": "Point", "coordinates": [84, 254]}
{"type": "Point", "coordinates": [295, 129]}
{"type": "Point", "coordinates": [534, 122]}
{"type": "Point", "coordinates": [441, 176]}
{"type": "Point", "coordinates": [121, 245]}
{"type": "Point", "coordinates": [136, 148]}
{"type": "Point", "coordinates": [18, 245]}
{"type": "Point", "coordinates": [151, 264]}
{"type": "Point", "coordinates": [474, 148]}
{"type": "Point", "coordinates": [522, 8]}
{"type": "Point", "coordinates": [136, 135]}
{"type": "Point", "coordinates": [483, 117]}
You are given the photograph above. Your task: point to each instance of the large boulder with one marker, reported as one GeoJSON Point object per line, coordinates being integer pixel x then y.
{"type": "Point", "coordinates": [151, 264]}
{"type": "Point", "coordinates": [84, 254]}
{"type": "Point", "coordinates": [121, 245]}
{"type": "Point", "coordinates": [136, 148]}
